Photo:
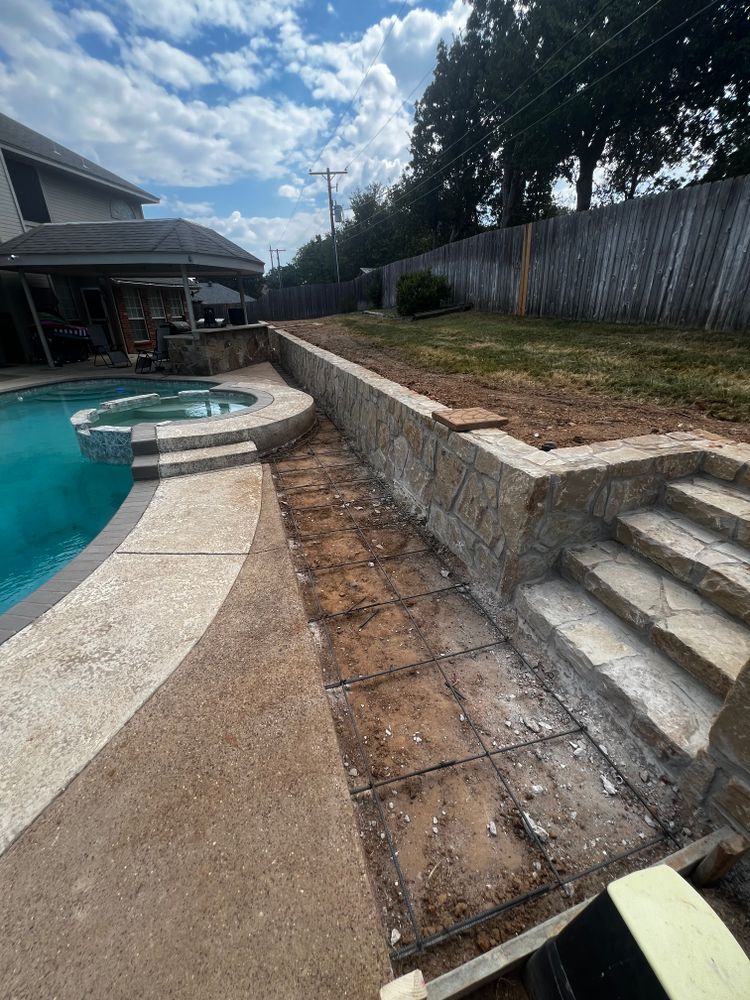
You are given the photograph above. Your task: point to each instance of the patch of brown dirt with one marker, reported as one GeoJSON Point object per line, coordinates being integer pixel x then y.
{"type": "Point", "coordinates": [535, 414]}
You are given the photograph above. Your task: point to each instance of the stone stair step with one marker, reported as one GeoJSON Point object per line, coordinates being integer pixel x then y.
{"type": "Point", "coordinates": [712, 504]}
{"type": "Point", "coordinates": [183, 463]}
{"type": "Point", "coordinates": [689, 629]}
{"type": "Point", "coordinates": [658, 701]}
{"type": "Point", "coordinates": [716, 568]}
{"type": "Point", "coordinates": [193, 438]}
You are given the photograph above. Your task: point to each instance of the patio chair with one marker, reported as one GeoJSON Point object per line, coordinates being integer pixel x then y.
{"type": "Point", "coordinates": [101, 349]}
{"type": "Point", "coordinates": [154, 361]}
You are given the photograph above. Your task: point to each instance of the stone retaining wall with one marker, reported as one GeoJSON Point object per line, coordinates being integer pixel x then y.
{"type": "Point", "coordinates": [507, 509]}
{"type": "Point", "coordinates": [504, 507]}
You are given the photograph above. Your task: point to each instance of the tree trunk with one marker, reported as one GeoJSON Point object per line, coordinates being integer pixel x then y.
{"type": "Point", "coordinates": [511, 194]}
{"type": "Point", "coordinates": [587, 161]}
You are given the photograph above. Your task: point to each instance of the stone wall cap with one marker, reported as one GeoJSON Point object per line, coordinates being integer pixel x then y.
{"type": "Point", "coordinates": [469, 419]}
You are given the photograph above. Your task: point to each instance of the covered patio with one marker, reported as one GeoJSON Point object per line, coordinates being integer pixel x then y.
{"type": "Point", "coordinates": [104, 252]}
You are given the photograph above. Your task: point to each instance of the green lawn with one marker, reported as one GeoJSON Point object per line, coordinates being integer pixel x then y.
{"type": "Point", "coordinates": [637, 362]}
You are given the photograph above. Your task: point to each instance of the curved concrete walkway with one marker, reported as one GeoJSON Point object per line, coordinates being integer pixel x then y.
{"type": "Point", "coordinates": [74, 676]}
{"type": "Point", "coordinates": [209, 851]}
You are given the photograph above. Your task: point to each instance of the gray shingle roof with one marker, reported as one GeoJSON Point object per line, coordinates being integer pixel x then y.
{"type": "Point", "coordinates": [213, 293]}
{"type": "Point", "coordinates": [18, 138]}
{"type": "Point", "coordinates": [136, 236]}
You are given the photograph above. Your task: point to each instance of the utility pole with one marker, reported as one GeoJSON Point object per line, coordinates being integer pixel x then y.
{"type": "Point", "coordinates": [277, 251]}
{"type": "Point", "coordinates": [328, 174]}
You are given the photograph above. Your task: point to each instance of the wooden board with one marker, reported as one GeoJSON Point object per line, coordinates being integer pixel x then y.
{"type": "Point", "coordinates": [507, 957]}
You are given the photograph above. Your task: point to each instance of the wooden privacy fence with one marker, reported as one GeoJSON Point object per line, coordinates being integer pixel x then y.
{"type": "Point", "coordinates": [678, 259]}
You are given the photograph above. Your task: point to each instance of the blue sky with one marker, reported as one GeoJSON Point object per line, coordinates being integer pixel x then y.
{"type": "Point", "coordinates": [221, 106]}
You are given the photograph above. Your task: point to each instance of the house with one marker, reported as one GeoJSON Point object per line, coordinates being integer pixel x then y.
{"type": "Point", "coordinates": [224, 302]}
{"type": "Point", "coordinates": [88, 224]}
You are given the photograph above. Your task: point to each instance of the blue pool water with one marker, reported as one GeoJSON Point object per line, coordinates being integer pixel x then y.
{"type": "Point", "coordinates": [53, 501]}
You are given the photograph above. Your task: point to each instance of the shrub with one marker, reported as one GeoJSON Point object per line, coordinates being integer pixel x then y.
{"type": "Point", "coordinates": [420, 291]}
{"type": "Point", "coordinates": [348, 302]}
{"type": "Point", "coordinates": [375, 289]}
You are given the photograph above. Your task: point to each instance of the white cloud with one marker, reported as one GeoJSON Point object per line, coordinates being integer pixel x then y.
{"type": "Point", "coordinates": [93, 22]}
{"type": "Point", "coordinates": [119, 116]}
{"type": "Point", "coordinates": [241, 70]}
{"type": "Point", "coordinates": [164, 62]}
{"type": "Point", "coordinates": [181, 19]}
{"type": "Point", "coordinates": [139, 114]}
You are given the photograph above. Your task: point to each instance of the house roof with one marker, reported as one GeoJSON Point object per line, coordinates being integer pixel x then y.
{"type": "Point", "coordinates": [17, 138]}
{"type": "Point", "coordinates": [136, 247]}
{"type": "Point", "coordinates": [213, 293]}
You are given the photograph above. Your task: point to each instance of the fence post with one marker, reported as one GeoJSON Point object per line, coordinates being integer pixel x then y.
{"type": "Point", "coordinates": [523, 278]}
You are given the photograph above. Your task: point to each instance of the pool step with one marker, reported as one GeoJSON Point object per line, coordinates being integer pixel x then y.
{"type": "Point", "coordinates": [192, 438]}
{"type": "Point", "coordinates": [669, 615]}
{"type": "Point", "coordinates": [662, 704]}
{"type": "Point", "coordinates": [183, 463]}
{"type": "Point", "coordinates": [192, 460]}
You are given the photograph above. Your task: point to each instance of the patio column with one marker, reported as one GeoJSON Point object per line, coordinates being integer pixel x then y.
{"type": "Point", "coordinates": [35, 317]}
{"type": "Point", "coordinates": [188, 298]}
{"type": "Point", "coordinates": [242, 297]}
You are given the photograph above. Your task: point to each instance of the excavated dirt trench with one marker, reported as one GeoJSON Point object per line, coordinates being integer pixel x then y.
{"type": "Point", "coordinates": [483, 804]}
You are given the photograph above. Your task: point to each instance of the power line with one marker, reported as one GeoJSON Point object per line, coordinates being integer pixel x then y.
{"type": "Point", "coordinates": [347, 109]}
{"type": "Point", "coordinates": [533, 100]}
{"type": "Point", "coordinates": [328, 174]}
{"type": "Point", "coordinates": [350, 105]}
{"type": "Point", "coordinates": [508, 97]}
{"type": "Point", "coordinates": [538, 70]}
{"type": "Point", "coordinates": [559, 107]}
{"type": "Point", "coordinates": [388, 121]}
{"type": "Point", "coordinates": [277, 251]}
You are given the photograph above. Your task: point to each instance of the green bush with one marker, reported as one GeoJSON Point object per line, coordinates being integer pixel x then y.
{"type": "Point", "coordinates": [375, 289]}
{"type": "Point", "coordinates": [420, 291]}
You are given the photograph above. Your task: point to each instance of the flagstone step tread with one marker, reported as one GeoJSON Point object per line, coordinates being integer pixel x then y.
{"type": "Point", "coordinates": [181, 463]}
{"type": "Point", "coordinates": [716, 568]}
{"type": "Point", "coordinates": [662, 704]}
{"type": "Point", "coordinates": [713, 504]}
{"type": "Point", "coordinates": [698, 636]}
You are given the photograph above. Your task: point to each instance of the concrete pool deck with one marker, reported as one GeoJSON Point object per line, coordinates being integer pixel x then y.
{"type": "Point", "coordinates": [209, 848]}
{"type": "Point", "coordinates": [72, 678]}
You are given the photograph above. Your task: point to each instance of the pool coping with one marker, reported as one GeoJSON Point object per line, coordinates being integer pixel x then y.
{"type": "Point", "coordinates": [114, 532]}
{"type": "Point", "coordinates": [112, 535]}
{"type": "Point", "coordinates": [101, 546]}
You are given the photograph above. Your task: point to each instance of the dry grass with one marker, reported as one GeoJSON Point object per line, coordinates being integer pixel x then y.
{"type": "Point", "coordinates": [659, 365]}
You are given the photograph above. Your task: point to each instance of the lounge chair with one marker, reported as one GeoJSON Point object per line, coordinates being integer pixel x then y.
{"type": "Point", "coordinates": [101, 349]}
{"type": "Point", "coordinates": [154, 361]}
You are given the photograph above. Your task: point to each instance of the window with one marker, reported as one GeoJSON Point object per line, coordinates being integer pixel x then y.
{"type": "Point", "coordinates": [134, 313]}
{"type": "Point", "coordinates": [155, 304]}
{"type": "Point", "coordinates": [28, 189]}
{"type": "Point", "coordinates": [175, 304]}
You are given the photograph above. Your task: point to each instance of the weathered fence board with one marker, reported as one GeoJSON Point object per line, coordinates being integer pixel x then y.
{"type": "Point", "coordinates": [681, 258]}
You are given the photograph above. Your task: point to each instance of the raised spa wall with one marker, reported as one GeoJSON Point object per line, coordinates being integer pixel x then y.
{"type": "Point", "coordinates": [112, 444]}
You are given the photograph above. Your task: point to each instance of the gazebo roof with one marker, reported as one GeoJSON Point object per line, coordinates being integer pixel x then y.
{"type": "Point", "coordinates": [136, 246]}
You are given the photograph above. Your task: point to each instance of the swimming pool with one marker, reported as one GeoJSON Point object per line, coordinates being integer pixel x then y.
{"type": "Point", "coordinates": [53, 501]}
